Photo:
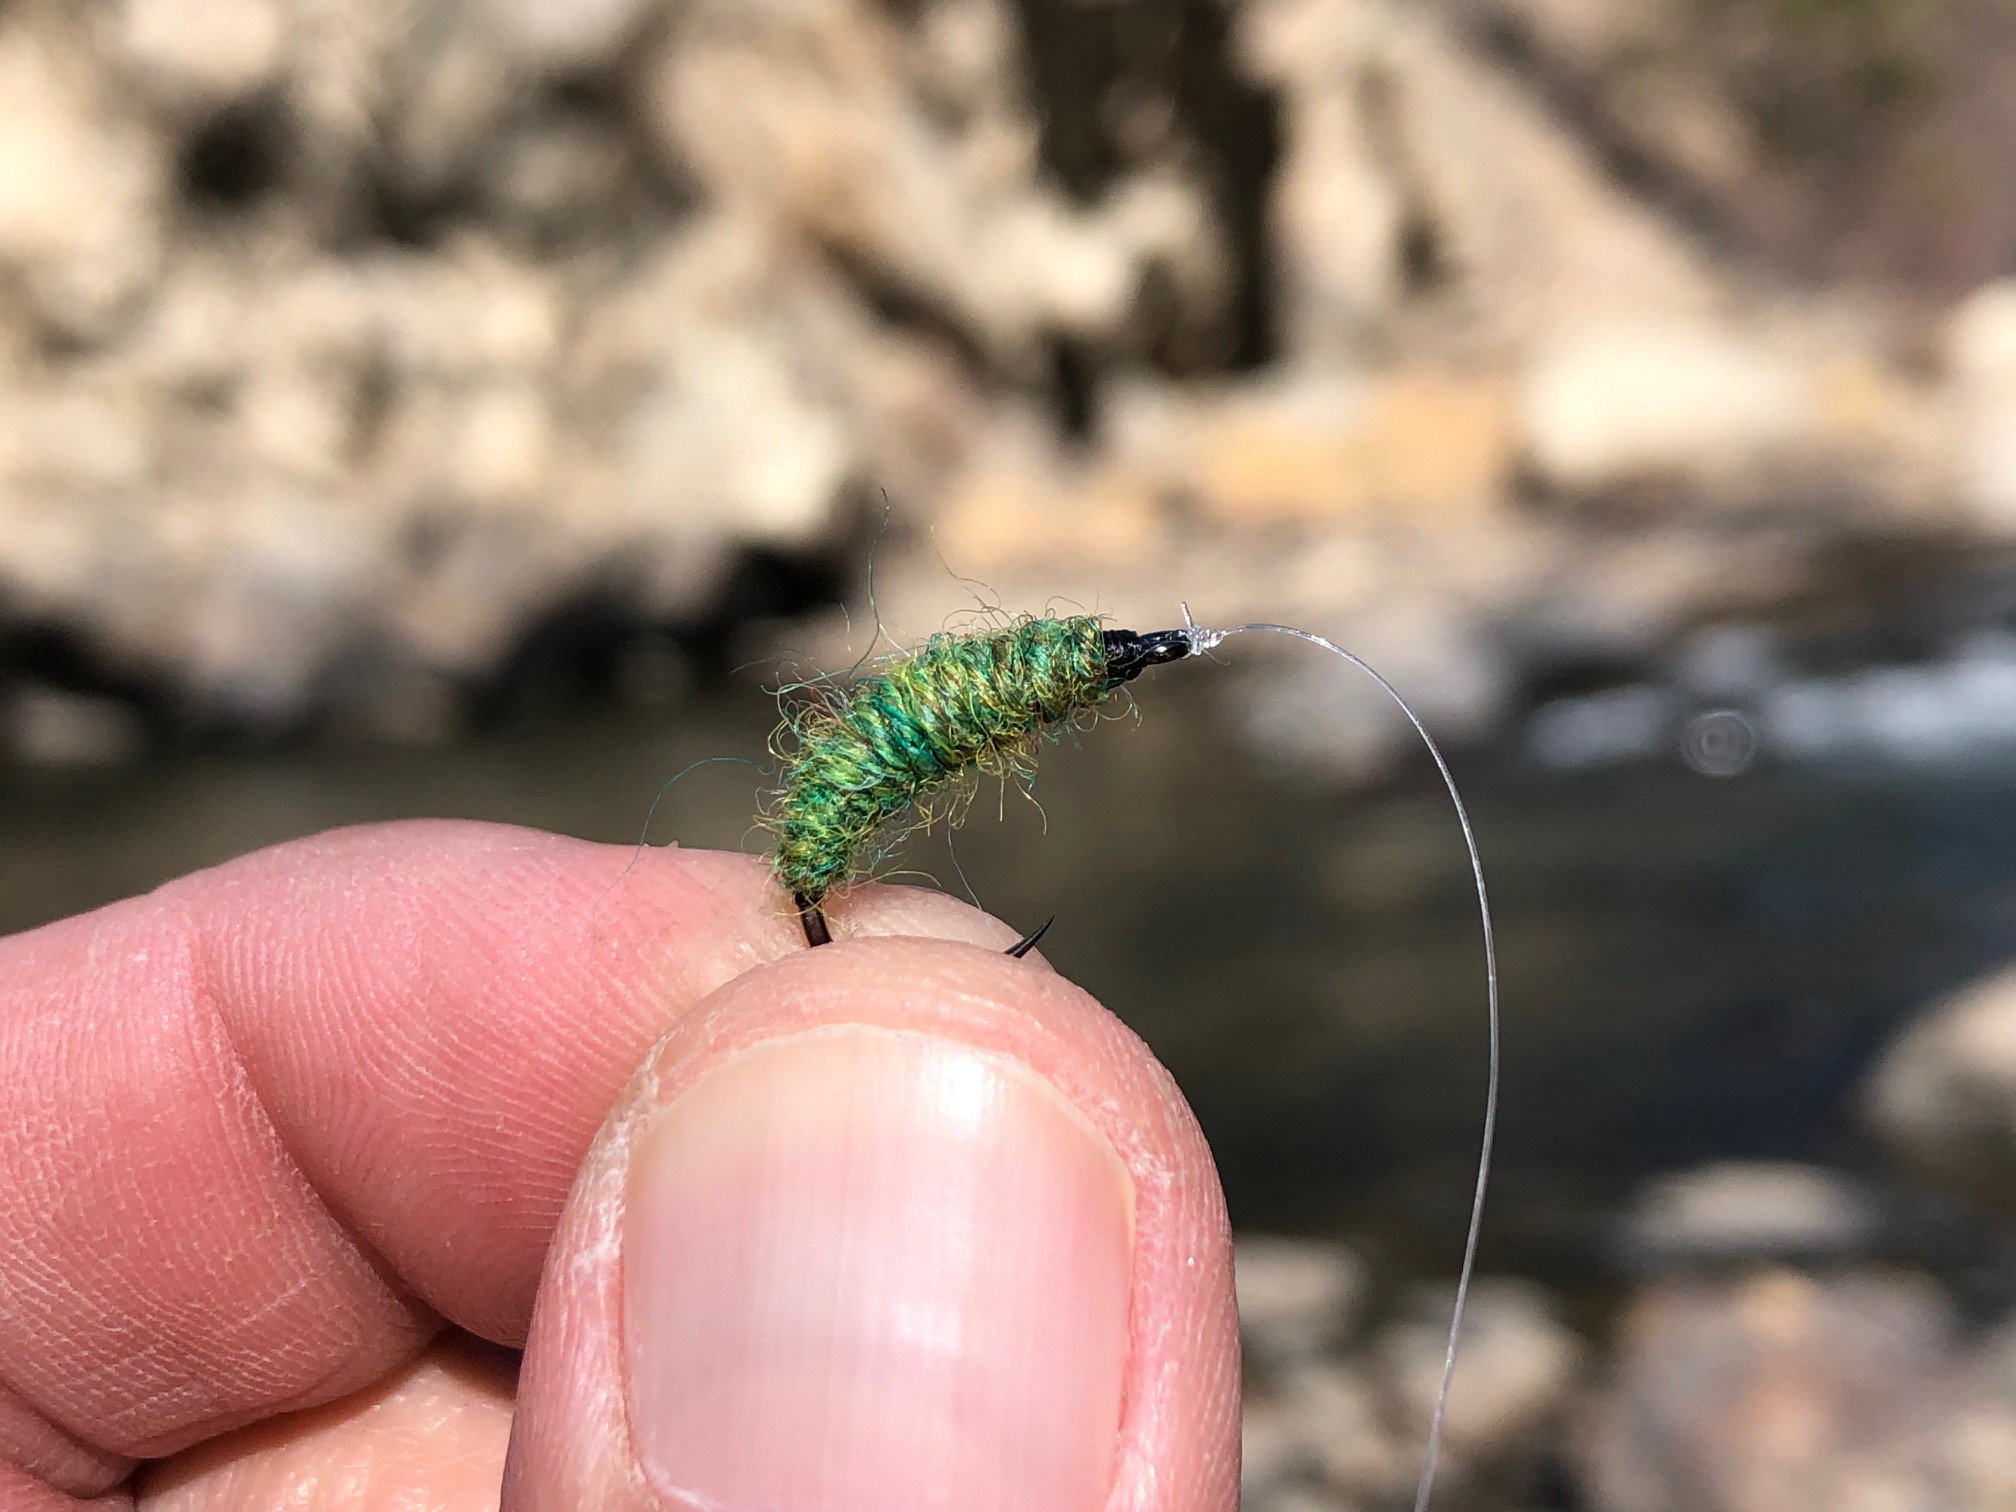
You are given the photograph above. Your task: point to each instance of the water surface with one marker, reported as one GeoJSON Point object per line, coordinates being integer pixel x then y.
{"type": "Point", "coordinates": [1694, 967]}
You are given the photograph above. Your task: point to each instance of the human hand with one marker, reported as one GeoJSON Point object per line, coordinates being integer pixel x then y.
{"type": "Point", "coordinates": [897, 1225]}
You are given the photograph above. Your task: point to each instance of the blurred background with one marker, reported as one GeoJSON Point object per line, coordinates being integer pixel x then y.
{"type": "Point", "coordinates": [479, 407]}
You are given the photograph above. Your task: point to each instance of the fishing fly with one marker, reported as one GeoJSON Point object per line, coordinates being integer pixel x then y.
{"type": "Point", "coordinates": [860, 761]}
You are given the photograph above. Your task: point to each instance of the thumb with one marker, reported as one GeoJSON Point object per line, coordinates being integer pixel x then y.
{"type": "Point", "coordinates": [892, 1226]}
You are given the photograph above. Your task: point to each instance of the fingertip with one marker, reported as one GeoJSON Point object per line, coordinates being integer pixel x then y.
{"type": "Point", "coordinates": [432, 1434]}
{"type": "Point", "coordinates": [381, 1053]}
{"type": "Point", "coordinates": [904, 1224]}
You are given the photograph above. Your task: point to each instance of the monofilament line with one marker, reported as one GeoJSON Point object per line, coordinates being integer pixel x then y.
{"type": "Point", "coordinates": [1203, 640]}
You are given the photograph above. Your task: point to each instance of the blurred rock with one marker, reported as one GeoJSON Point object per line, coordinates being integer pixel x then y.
{"type": "Point", "coordinates": [1338, 210]}
{"type": "Point", "coordinates": [1975, 1445]}
{"type": "Point", "coordinates": [1318, 1428]}
{"type": "Point", "coordinates": [1774, 1393]}
{"type": "Point", "coordinates": [81, 186]}
{"type": "Point", "coordinates": [1300, 710]}
{"type": "Point", "coordinates": [55, 727]}
{"type": "Point", "coordinates": [1740, 1211]}
{"type": "Point", "coordinates": [731, 432]}
{"type": "Point", "coordinates": [575, 36]}
{"type": "Point", "coordinates": [1943, 1096]}
{"type": "Point", "coordinates": [287, 581]}
{"type": "Point", "coordinates": [1341, 1421]}
{"type": "Point", "coordinates": [1516, 1369]}
{"type": "Point", "coordinates": [1792, 136]}
{"type": "Point", "coordinates": [340, 90]}
{"type": "Point", "coordinates": [1981, 357]}
{"type": "Point", "coordinates": [1297, 1297]}
{"type": "Point", "coordinates": [1271, 1451]}
{"type": "Point", "coordinates": [1021, 500]}
{"type": "Point", "coordinates": [1432, 449]}
{"type": "Point", "coordinates": [390, 700]}
{"type": "Point", "coordinates": [1297, 1499]}
{"type": "Point", "coordinates": [1418, 173]}
{"type": "Point", "coordinates": [352, 335]}
{"type": "Point", "coordinates": [1634, 401]}
{"type": "Point", "coordinates": [198, 55]}
{"type": "Point", "coordinates": [819, 120]}
{"type": "Point", "coordinates": [555, 182]}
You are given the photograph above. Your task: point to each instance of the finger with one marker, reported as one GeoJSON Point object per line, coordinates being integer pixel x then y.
{"type": "Point", "coordinates": [261, 1129]}
{"type": "Point", "coordinates": [430, 1435]}
{"type": "Point", "coordinates": [899, 1226]}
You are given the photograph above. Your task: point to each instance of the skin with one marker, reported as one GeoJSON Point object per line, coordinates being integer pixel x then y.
{"type": "Point", "coordinates": [283, 1141]}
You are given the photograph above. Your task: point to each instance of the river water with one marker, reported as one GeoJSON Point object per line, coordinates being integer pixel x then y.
{"type": "Point", "coordinates": [1694, 967]}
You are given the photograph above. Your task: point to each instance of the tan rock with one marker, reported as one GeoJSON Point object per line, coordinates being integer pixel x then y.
{"type": "Point", "coordinates": [717, 385]}
{"type": "Point", "coordinates": [505, 447]}
{"type": "Point", "coordinates": [1297, 1297]}
{"type": "Point", "coordinates": [339, 89]}
{"type": "Point", "coordinates": [1397, 129]}
{"type": "Point", "coordinates": [1271, 1450]}
{"type": "Point", "coordinates": [198, 54]}
{"type": "Point", "coordinates": [299, 422]}
{"type": "Point", "coordinates": [1342, 1424]}
{"type": "Point", "coordinates": [1776, 1393]}
{"type": "Point", "coordinates": [1337, 206]}
{"type": "Point", "coordinates": [578, 35]}
{"type": "Point", "coordinates": [483, 576]}
{"type": "Point", "coordinates": [79, 186]}
{"type": "Point", "coordinates": [290, 575]}
{"type": "Point", "coordinates": [1981, 357]}
{"type": "Point", "coordinates": [1883, 422]}
{"type": "Point", "coordinates": [1280, 451]}
{"type": "Point", "coordinates": [1944, 1094]}
{"type": "Point", "coordinates": [1019, 502]}
{"type": "Point", "coordinates": [1518, 1366]}
{"type": "Point", "coordinates": [1612, 403]}
{"type": "Point", "coordinates": [820, 121]}
{"type": "Point", "coordinates": [85, 436]}
{"type": "Point", "coordinates": [478, 310]}
{"type": "Point", "coordinates": [1439, 441]}
{"type": "Point", "coordinates": [1407, 445]}
{"type": "Point", "coordinates": [1749, 1210]}
{"type": "Point", "coordinates": [58, 727]}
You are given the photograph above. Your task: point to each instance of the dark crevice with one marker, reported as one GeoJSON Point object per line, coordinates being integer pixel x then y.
{"type": "Point", "coordinates": [238, 156]}
{"type": "Point", "coordinates": [1240, 128]}
{"type": "Point", "coordinates": [897, 303]}
{"type": "Point", "coordinates": [768, 583]}
{"type": "Point", "coordinates": [592, 94]}
{"type": "Point", "coordinates": [1548, 678]}
{"type": "Point", "coordinates": [1074, 58]}
{"type": "Point", "coordinates": [1424, 265]}
{"type": "Point", "coordinates": [60, 656]}
{"type": "Point", "coordinates": [1173, 57]}
{"type": "Point", "coordinates": [1423, 255]}
{"type": "Point", "coordinates": [69, 659]}
{"type": "Point", "coordinates": [1074, 384]}
{"type": "Point", "coordinates": [573, 654]}
{"type": "Point", "coordinates": [404, 217]}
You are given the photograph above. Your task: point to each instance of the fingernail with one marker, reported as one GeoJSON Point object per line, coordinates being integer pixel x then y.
{"type": "Point", "coordinates": [870, 1271]}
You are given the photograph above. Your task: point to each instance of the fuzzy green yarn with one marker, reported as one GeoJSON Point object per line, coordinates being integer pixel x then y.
{"type": "Point", "coordinates": [860, 759]}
